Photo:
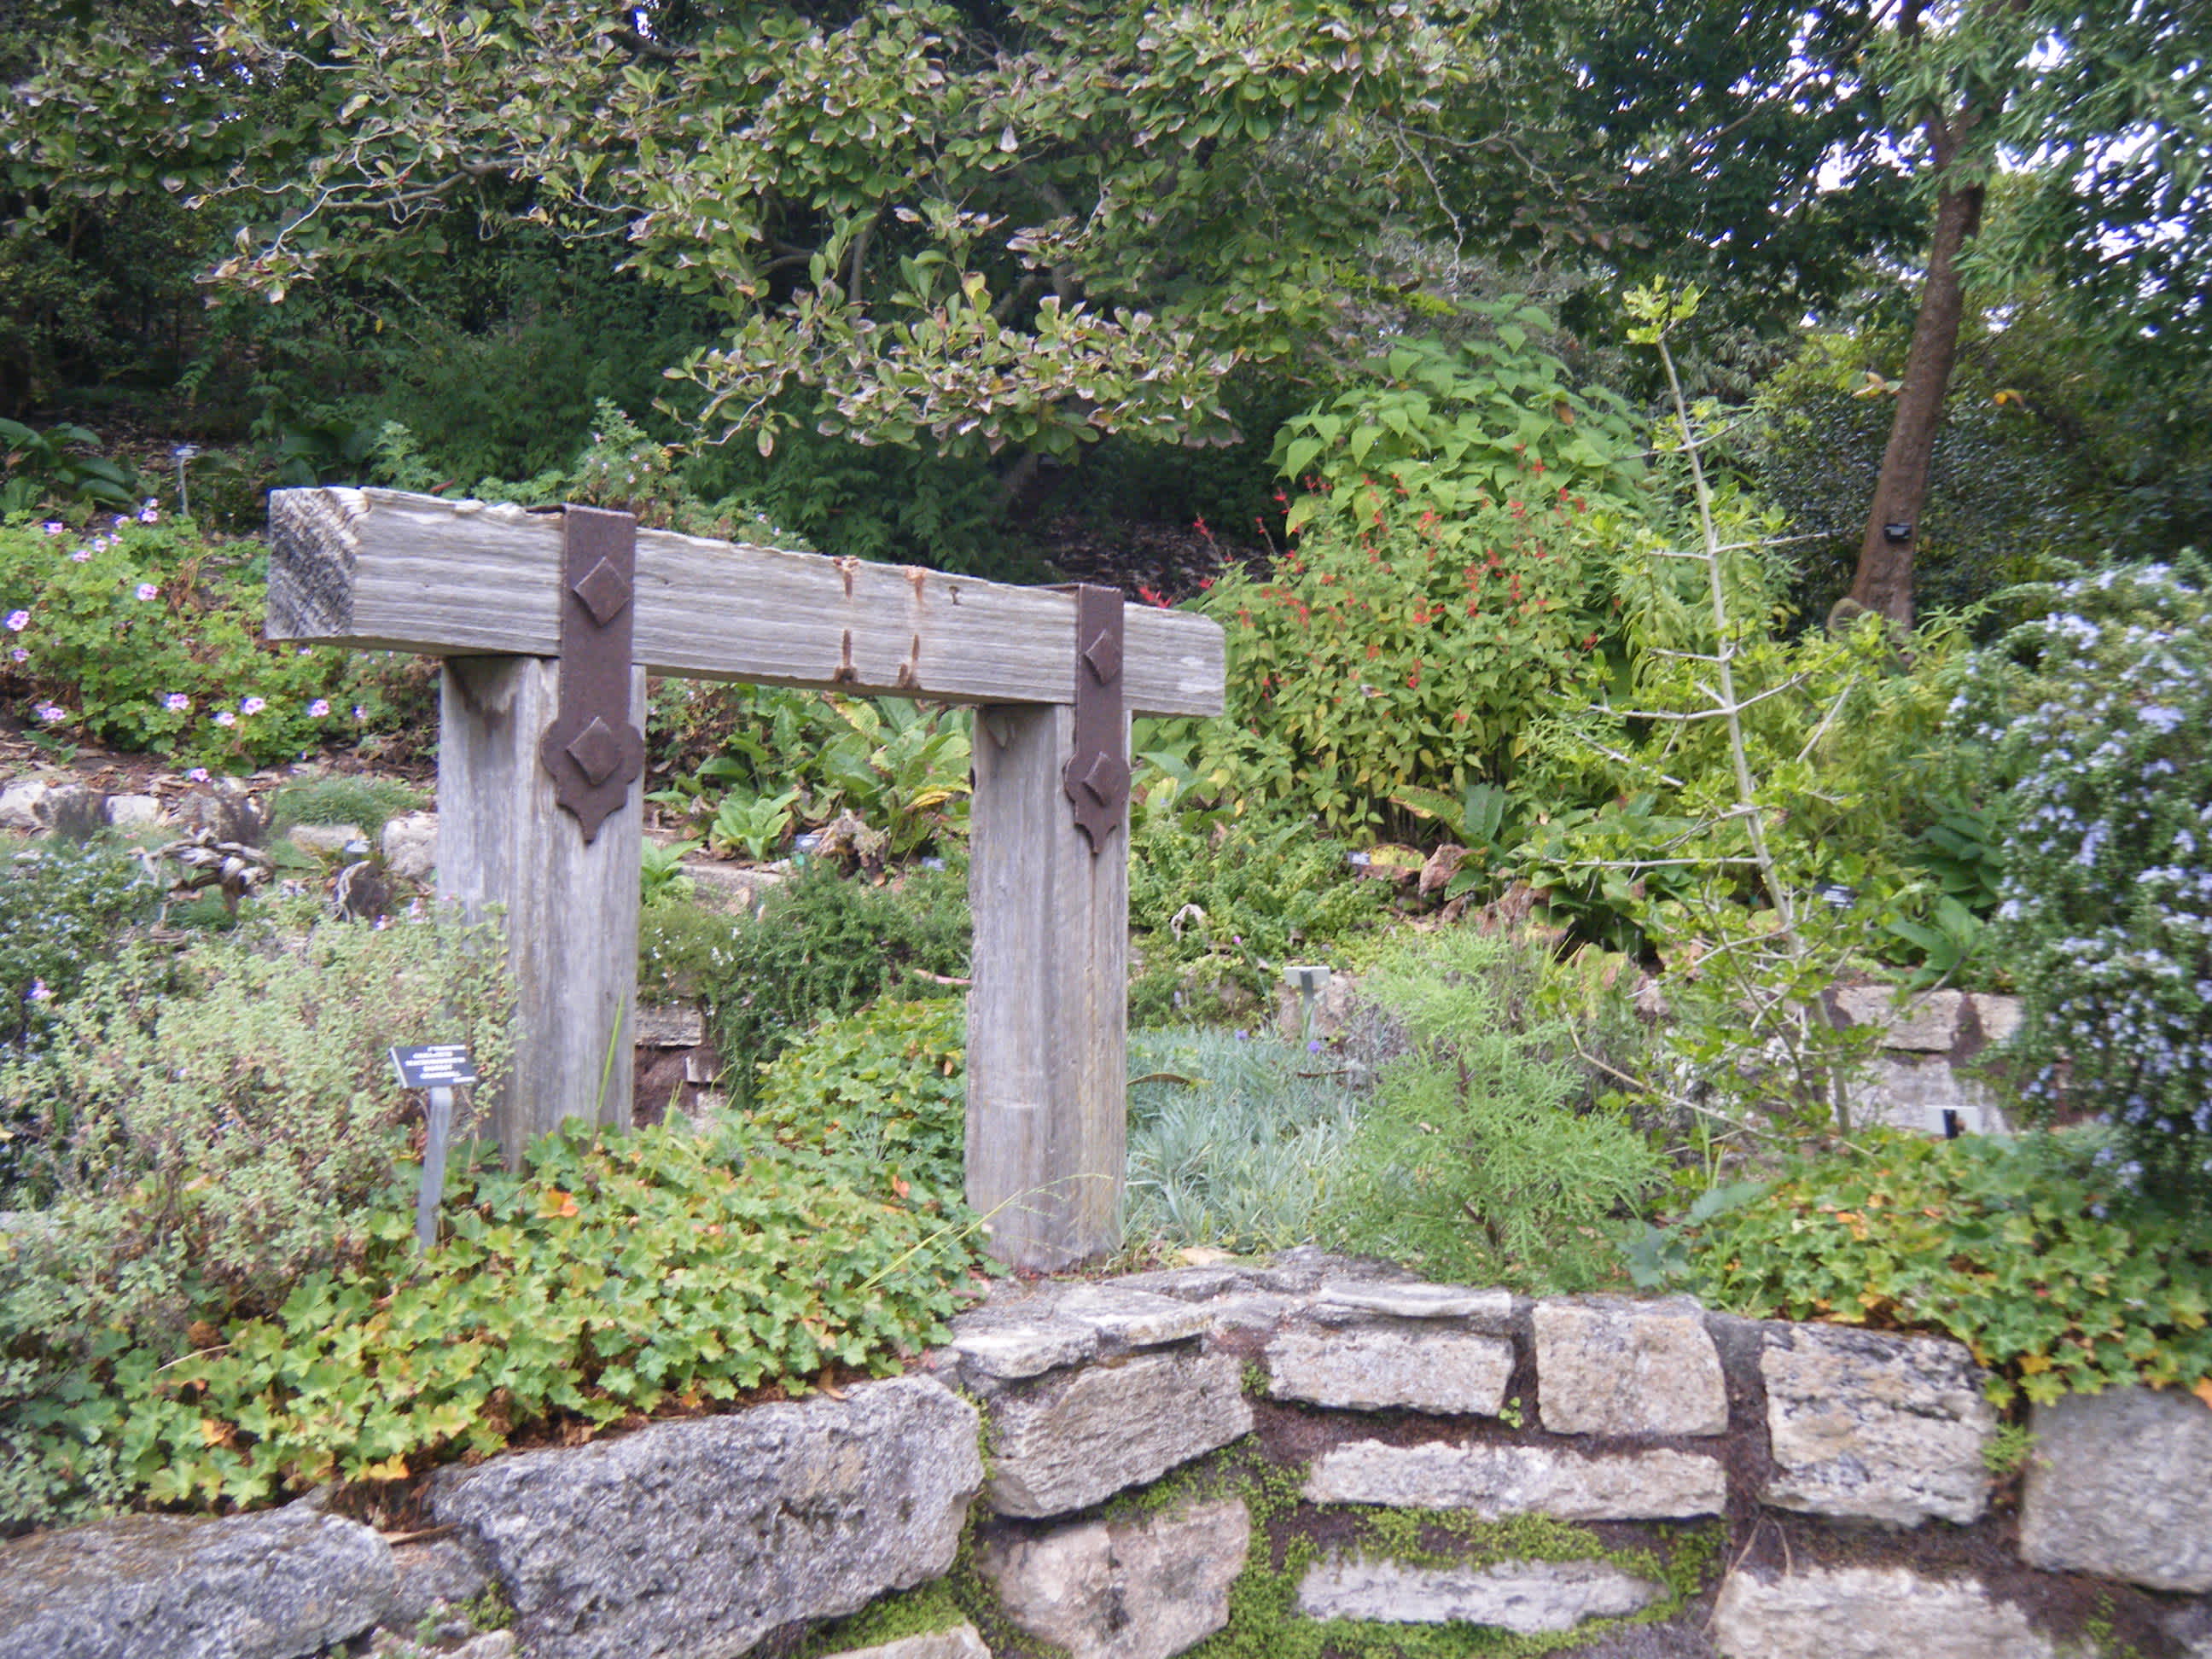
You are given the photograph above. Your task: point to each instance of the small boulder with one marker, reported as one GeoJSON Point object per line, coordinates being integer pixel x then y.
{"type": "Point", "coordinates": [411, 846]}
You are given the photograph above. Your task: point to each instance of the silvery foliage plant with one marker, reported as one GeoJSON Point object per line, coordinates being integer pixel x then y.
{"type": "Point", "coordinates": [2100, 714]}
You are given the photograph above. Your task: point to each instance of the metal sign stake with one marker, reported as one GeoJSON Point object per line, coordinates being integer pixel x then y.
{"type": "Point", "coordinates": [433, 1171]}
{"type": "Point", "coordinates": [440, 1068]}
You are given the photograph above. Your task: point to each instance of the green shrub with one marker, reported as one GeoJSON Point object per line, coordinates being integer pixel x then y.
{"type": "Point", "coordinates": [823, 944]}
{"type": "Point", "coordinates": [204, 1130]}
{"type": "Point", "coordinates": [1453, 575]}
{"type": "Point", "coordinates": [886, 1087]}
{"type": "Point", "coordinates": [2107, 904]}
{"type": "Point", "coordinates": [632, 1273]}
{"type": "Point", "coordinates": [1475, 1159]}
{"type": "Point", "coordinates": [359, 800]}
{"type": "Point", "coordinates": [1235, 1141]}
{"type": "Point", "coordinates": [143, 635]}
{"type": "Point", "coordinates": [1219, 900]}
{"type": "Point", "coordinates": [2023, 1249]}
{"type": "Point", "coordinates": [62, 909]}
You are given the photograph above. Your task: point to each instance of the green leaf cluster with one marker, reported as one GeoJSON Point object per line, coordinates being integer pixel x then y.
{"type": "Point", "coordinates": [660, 1271]}
{"type": "Point", "coordinates": [1454, 573]}
{"type": "Point", "coordinates": [1220, 903]}
{"type": "Point", "coordinates": [886, 1086]}
{"type": "Point", "coordinates": [2026, 1250]}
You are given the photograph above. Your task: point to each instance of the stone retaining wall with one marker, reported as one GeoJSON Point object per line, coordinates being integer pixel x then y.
{"type": "Point", "coordinates": [1313, 1439]}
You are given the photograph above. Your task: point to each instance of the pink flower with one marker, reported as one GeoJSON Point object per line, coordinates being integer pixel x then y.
{"type": "Point", "coordinates": [19, 655]}
{"type": "Point", "coordinates": [253, 706]}
{"type": "Point", "coordinates": [18, 621]}
{"type": "Point", "coordinates": [198, 775]}
{"type": "Point", "coordinates": [80, 555]}
{"type": "Point", "coordinates": [359, 713]}
{"type": "Point", "coordinates": [40, 991]}
{"type": "Point", "coordinates": [319, 709]}
{"type": "Point", "coordinates": [147, 590]}
{"type": "Point", "coordinates": [151, 513]}
{"type": "Point", "coordinates": [224, 717]}
{"type": "Point", "coordinates": [55, 527]}
{"type": "Point", "coordinates": [120, 522]}
{"type": "Point", "coordinates": [51, 712]}
{"type": "Point", "coordinates": [176, 702]}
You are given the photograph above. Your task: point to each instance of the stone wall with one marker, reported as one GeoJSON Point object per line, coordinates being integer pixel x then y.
{"type": "Point", "coordinates": [1112, 1469]}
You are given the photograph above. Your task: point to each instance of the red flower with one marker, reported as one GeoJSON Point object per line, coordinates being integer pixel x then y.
{"type": "Point", "coordinates": [1151, 596]}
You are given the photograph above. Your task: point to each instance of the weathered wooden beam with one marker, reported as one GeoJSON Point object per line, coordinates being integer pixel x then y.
{"type": "Point", "coordinates": [568, 906]}
{"type": "Point", "coordinates": [379, 569]}
{"type": "Point", "coordinates": [1048, 1015]}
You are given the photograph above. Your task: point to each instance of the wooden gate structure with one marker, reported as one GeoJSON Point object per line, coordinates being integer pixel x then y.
{"type": "Point", "coordinates": [548, 623]}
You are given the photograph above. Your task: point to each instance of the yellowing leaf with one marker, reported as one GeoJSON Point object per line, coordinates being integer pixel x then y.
{"type": "Point", "coordinates": [2203, 1391]}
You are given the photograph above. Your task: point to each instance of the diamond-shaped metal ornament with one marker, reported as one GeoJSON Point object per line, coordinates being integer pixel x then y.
{"type": "Point", "coordinates": [596, 750]}
{"type": "Point", "coordinates": [1103, 656]}
{"type": "Point", "coordinates": [1107, 779]}
{"type": "Point", "coordinates": [604, 590]}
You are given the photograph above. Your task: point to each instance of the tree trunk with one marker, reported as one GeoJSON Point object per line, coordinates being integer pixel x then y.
{"type": "Point", "coordinates": [1883, 581]}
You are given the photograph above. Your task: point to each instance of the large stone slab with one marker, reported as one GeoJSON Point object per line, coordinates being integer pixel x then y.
{"type": "Point", "coordinates": [272, 1586]}
{"type": "Point", "coordinates": [1008, 1354]}
{"type": "Point", "coordinates": [1485, 1310]}
{"type": "Point", "coordinates": [1874, 1427]}
{"type": "Point", "coordinates": [1141, 1589]}
{"type": "Point", "coordinates": [1526, 1596]}
{"type": "Point", "coordinates": [1495, 1481]}
{"type": "Point", "coordinates": [1125, 1319]}
{"type": "Point", "coordinates": [1869, 1612]}
{"type": "Point", "coordinates": [697, 1538]}
{"type": "Point", "coordinates": [1074, 1438]}
{"type": "Point", "coordinates": [2120, 1483]}
{"type": "Point", "coordinates": [1627, 1368]}
{"type": "Point", "coordinates": [1418, 1366]}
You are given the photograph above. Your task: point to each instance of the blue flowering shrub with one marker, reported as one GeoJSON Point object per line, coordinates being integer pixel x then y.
{"type": "Point", "coordinates": [2099, 714]}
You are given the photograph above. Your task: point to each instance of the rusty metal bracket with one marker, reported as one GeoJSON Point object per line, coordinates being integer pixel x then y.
{"type": "Point", "coordinates": [1096, 776]}
{"type": "Point", "coordinates": [592, 750]}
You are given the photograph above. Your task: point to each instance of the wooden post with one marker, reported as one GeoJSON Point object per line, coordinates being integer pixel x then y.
{"type": "Point", "coordinates": [1048, 1016]}
{"type": "Point", "coordinates": [570, 906]}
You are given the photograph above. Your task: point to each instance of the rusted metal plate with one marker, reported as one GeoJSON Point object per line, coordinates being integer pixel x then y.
{"type": "Point", "coordinates": [592, 750]}
{"type": "Point", "coordinates": [1096, 776]}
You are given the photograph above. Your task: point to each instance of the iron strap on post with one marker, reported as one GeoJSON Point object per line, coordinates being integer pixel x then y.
{"type": "Point", "coordinates": [592, 750]}
{"type": "Point", "coordinates": [1096, 777]}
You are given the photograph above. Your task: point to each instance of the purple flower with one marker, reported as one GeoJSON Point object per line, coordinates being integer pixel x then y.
{"type": "Point", "coordinates": [151, 513]}
{"type": "Point", "coordinates": [319, 709]}
{"type": "Point", "coordinates": [253, 706]}
{"type": "Point", "coordinates": [1313, 1046]}
{"type": "Point", "coordinates": [19, 655]}
{"type": "Point", "coordinates": [224, 717]}
{"type": "Point", "coordinates": [120, 522]}
{"type": "Point", "coordinates": [40, 991]}
{"type": "Point", "coordinates": [51, 712]}
{"type": "Point", "coordinates": [176, 702]}
{"type": "Point", "coordinates": [198, 775]}
{"type": "Point", "coordinates": [147, 590]}
{"type": "Point", "coordinates": [359, 713]}
{"type": "Point", "coordinates": [55, 527]}
{"type": "Point", "coordinates": [18, 621]}
{"type": "Point", "coordinates": [79, 556]}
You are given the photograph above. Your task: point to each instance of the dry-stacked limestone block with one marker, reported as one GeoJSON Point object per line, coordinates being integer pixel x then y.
{"type": "Point", "coordinates": [1527, 1597]}
{"type": "Point", "coordinates": [1124, 1589]}
{"type": "Point", "coordinates": [1364, 1347]}
{"type": "Point", "coordinates": [1873, 1427]}
{"type": "Point", "coordinates": [1610, 1367]}
{"type": "Point", "coordinates": [273, 1586]}
{"type": "Point", "coordinates": [2120, 1483]}
{"type": "Point", "coordinates": [1496, 1481]}
{"type": "Point", "coordinates": [1869, 1612]}
{"type": "Point", "coordinates": [698, 1537]}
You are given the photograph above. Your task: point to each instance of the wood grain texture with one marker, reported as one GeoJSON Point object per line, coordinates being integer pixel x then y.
{"type": "Point", "coordinates": [1048, 1011]}
{"type": "Point", "coordinates": [570, 909]}
{"type": "Point", "coordinates": [379, 569]}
